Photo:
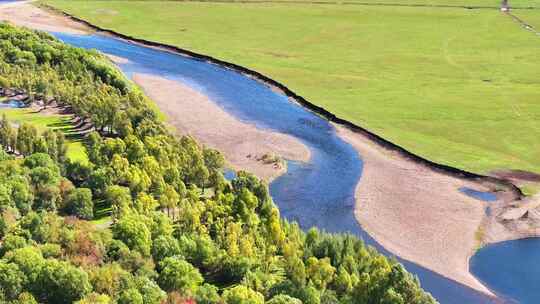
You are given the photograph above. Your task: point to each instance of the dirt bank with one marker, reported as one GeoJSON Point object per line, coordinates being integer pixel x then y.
{"type": "Point", "coordinates": [417, 213]}
{"type": "Point", "coordinates": [243, 144]}
{"type": "Point", "coordinates": [27, 15]}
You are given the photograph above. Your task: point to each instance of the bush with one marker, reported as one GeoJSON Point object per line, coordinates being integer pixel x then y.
{"type": "Point", "coordinates": [79, 203]}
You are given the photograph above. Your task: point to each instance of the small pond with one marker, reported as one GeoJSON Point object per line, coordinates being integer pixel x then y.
{"type": "Point", "coordinates": [485, 196]}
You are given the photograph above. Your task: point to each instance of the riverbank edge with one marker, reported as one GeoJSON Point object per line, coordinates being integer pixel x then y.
{"type": "Point", "coordinates": [495, 183]}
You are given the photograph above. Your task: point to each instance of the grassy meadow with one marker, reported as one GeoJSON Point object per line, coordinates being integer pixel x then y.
{"type": "Point", "coordinates": [457, 86]}
{"type": "Point", "coordinates": [531, 17]}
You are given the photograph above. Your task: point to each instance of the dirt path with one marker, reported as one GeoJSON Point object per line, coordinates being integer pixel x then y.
{"type": "Point", "coordinates": [191, 112]}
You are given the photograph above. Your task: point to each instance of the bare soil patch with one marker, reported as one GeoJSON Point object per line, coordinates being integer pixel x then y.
{"type": "Point", "coordinates": [245, 146]}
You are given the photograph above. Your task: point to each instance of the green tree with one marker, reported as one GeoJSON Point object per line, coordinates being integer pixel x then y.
{"type": "Point", "coordinates": [95, 298]}
{"type": "Point", "coordinates": [165, 246]}
{"type": "Point", "coordinates": [207, 294]}
{"type": "Point", "coordinates": [12, 280]}
{"type": "Point", "coordinates": [30, 262]}
{"type": "Point", "coordinates": [150, 290]}
{"type": "Point", "coordinates": [178, 275]}
{"type": "Point", "coordinates": [284, 299]}
{"type": "Point", "coordinates": [60, 282]}
{"type": "Point", "coordinates": [242, 295]}
{"type": "Point", "coordinates": [79, 203]}
{"type": "Point", "coordinates": [26, 137]}
{"type": "Point", "coordinates": [130, 296]}
{"type": "Point", "coordinates": [320, 271]}
{"type": "Point", "coordinates": [7, 134]}
{"type": "Point", "coordinates": [11, 242]}
{"type": "Point", "coordinates": [22, 195]}
{"type": "Point", "coordinates": [134, 233]}
{"type": "Point", "coordinates": [119, 198]}
{"type": "Point", "coordinates": [25, 298]}
{"type": "Point", "coordinates": [213, 160]}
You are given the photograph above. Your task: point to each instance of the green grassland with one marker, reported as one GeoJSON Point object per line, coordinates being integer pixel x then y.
{"type": "Point", "coordinates": [531, 17]}
{"type": "Point", "coordinates": [457, 86]}
{"type": "Point", "coordinates": [76, 150]}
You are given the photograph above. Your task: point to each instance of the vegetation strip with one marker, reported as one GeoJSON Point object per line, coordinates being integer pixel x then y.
{"type": "Point", "coordinates": [316, 109]}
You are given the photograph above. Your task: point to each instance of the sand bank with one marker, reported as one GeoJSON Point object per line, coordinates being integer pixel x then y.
{"type": "Point", "coordinates": [243, 144]}
{"type": "Point", "coordinates": [27, 15]}
{"type": "Point", "coordinates": [417, 213]}
{"type": "Point", "coordinates": [117, 59]}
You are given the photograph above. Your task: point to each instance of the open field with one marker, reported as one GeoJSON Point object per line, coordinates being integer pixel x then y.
{"type": "Point", "coordinates": [531, 17]}
{"type": "Point", "coordinates": [76, 150]}
{"type": "Point", "coordinates": [457, 86]}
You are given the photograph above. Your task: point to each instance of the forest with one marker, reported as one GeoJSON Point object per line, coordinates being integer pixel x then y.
{"type": "Point", "coordinates": [179, 231]}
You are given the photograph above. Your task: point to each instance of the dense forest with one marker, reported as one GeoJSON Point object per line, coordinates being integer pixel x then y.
{"type": "Point", "coordinates": [179, 231]}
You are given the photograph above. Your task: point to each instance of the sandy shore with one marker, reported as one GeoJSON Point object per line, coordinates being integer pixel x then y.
{"type": "Point", "coordinates": [28, 15]}
{"type": "Point", "coordinates": [243, 144]}
{"type": "Point", "coordinates": [417, 213]}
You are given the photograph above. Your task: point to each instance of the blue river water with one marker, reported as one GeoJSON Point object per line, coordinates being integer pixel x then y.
{"type": "Point", "coordinates": [516, 279]}
{"type": "Point", "coordinates": [318, 193]}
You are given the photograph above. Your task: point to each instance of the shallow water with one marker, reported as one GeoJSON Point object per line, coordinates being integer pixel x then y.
{"type": "Point", "coordinates": [318, 193]}
{"type": "Point", "coordinates": [13, 104]}
{"type": "Point", "coordinates": [511, 268]}
{"type": "Point", "coordinates": [479, 195]}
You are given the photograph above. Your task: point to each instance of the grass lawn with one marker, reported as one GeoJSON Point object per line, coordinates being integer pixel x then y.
{"type": "Point", "coordinates": [76, 150]}
{"type": "Point", "coordinates": [531, 17]}
{"type": "Point", "coordinates": [458, 86]}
